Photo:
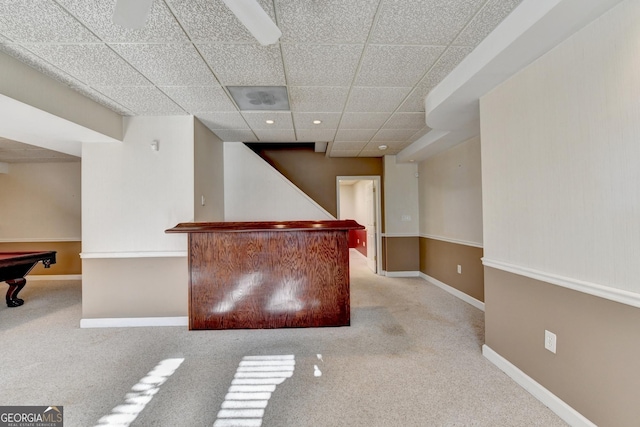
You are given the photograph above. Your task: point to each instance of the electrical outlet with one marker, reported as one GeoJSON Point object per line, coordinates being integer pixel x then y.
{"type": "Point", "coordinates": [550, 341]}
{"type": "Point", "coordinates": [459, 269]}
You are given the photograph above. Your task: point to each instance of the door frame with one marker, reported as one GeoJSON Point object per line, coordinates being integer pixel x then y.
{"type": "Point", "coordinates": [378, 210]}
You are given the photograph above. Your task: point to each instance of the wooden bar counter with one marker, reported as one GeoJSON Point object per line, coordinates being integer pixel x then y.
{"type": "Point", "coordinates": [245, 275]}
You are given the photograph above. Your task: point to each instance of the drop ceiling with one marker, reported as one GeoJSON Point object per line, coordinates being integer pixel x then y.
{"type": "Point", "coordinates": [361, 67]}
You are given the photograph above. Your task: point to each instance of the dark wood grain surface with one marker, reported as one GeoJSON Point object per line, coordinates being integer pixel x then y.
{"type": "Point", "coordinates": [239, 227]}
{"type": "Point", "coordinates": [269, 279]}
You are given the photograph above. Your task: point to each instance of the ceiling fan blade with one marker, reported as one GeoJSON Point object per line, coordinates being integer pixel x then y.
{"type": "Point", "coordinates": [131, 14]}
{"type": "Point", "coordinates": [255, 19]}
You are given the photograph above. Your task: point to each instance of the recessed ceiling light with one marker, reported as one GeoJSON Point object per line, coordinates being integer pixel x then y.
{"type": "Point", "coordinates": [269, 122]}
{"type": "Point", "coordinates": [317, 122]}
{"type": "Point", "coordinates": [382, 147]}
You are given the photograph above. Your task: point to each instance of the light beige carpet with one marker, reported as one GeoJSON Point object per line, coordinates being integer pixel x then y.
{"type": "Point", "coordinates": [412, 357]}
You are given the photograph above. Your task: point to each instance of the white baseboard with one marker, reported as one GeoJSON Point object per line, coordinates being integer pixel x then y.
{"type": "Point", "coordinates": [453, 291]}
{"type": "Point", "coordinates": [132, 322]}
{"type": "Point", "coordinates": [37, 277]}
{"type": "Point", "coordinates": [553, 402]}
{"type": "Point", "coordinates": [402, 273]}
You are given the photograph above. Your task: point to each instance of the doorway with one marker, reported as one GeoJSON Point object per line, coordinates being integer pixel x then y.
{"type": "Point", "coordinates": [359, 199]}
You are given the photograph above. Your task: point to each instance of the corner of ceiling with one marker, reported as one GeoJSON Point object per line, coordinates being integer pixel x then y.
{"type": "Point", "coordinates": [532, 29]}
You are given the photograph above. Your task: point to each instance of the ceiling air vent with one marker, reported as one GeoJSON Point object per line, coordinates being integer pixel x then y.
{"type": "Point", "coordinates": [260, 97]}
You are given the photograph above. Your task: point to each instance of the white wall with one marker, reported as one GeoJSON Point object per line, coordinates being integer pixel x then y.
{"type": "Point", "coordinates": [132, 194]}
{"type": "Point", "coordinates": [347, 206]}
{"type": "Point", "coordinates": [450, 187]}
{"type": "Point", "coordinates": [400, 198]}
{"type": "Point", "coordinates": [255, 191]}
{"type": "Point", "coordinates": [40, 202]}
{"type": "Point", "coordinates": [560, 150]}
{"type": "Point", "coordinates": [208, 174]}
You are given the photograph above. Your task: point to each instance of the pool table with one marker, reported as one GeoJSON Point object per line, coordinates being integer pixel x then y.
{"type": "Point", "coordinates": [15, 265]}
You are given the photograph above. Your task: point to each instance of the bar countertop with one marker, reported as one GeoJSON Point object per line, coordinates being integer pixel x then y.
{"type": "Point", "coordinates": [250, 226]}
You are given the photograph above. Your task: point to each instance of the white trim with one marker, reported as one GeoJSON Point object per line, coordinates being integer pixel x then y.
{"type": "Point", "coordinates": [399, 235]}
{"type": "Point", "coordinates": [159, 254]}
{"type": "Point", "coordinates": [402, 273]}
{"type": "Point", "coordinates": [37, 277]}
{"type": "Point", "coordinates": [132, 322]}
{"type": "Point", "coordinates": [453, 291]}
{"type": "Point", "coordinates": [606, 292]}
{"type": "Point", "coordinates": [553, 402]}
{"type": "Point", "coordinates": [41, 240]}
{"type": "Point", "coordinates": [452, 240]}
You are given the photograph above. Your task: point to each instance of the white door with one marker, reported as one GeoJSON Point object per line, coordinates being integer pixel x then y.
{"type": "Point", "coordinates": [371, 225]}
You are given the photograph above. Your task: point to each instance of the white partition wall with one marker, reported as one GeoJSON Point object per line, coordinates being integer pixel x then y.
{"type": "Point", "coordinates": [255, 191]}
{"type": "Point", "coordinates": [131, 193]}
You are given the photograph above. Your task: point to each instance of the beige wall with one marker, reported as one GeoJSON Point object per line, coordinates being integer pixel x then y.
{"type": "Point", "coordinates": [40, 202]}
{"type": "Point", "coordinates": [134, 287]}
{"type": "Point", "coordinates": [559, 152]}
{"type": "Point", "coordinates": [440, 260]}
{"type": "Point", "coordinates": [131, 195]}
{"type": "Point", "coordinates": [401, 212]}
{"type": "Point", "coordinates": [451, 195]}
{"type": "Point", "coordinates": [401, 254]}
{"type": "Point", "coordinates": [315, 174]}
{"type": "Point", "coordinates": [67, 256]}
{"type": "Point", "coordinates": [450, 188]}
{"type": "Point", "coordinates": [561, 197]}
{"type": "Point", "coordinates": [596, 369]}
{"type": "Point", "coordinates": [208, 174]}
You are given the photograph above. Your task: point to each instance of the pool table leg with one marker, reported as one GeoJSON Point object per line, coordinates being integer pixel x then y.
{"type": "Point", "coordinates": [15, 286]}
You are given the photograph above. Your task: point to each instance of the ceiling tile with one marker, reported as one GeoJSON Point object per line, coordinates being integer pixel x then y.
{"type": "Point", "coordinates": [355, 134]}
{"type": "Point", "coordinates": [235, 135]}
{"type": "Point", "coordinates": [257, 120]}
{"type": "Point", "coordinates": [317, 99]}
{"type": "Point", "coordinates": [327, 21]}
{"type": "Point", "coordinates": [160, 25]}
{"type": "Point", "coordinates": [313, 135]}
{"type": "Point", "coordinates": [245, 64]}
{"type": "Point", "coordinates": [168, 64]}
{"type": "Point", "coordinates": [432, 22]}
{"type": "Point", "coordinates": [9, 144]}
{"type": "Point", "coordinates": [321, 65]}
{"type": "Point", "coordinates": [422, 132]}
{"type": "Point", "coordinates": [348, 145]}
{"type": "Point", "coordinates": [376, 99]}
{"type": "Point", "coordinates": [33, 21]}
{"type": "Point", "coordinates": [222, 120]}
{"type": "Point", "coordinates": [446, 63]}
{"type": "Point", "coordinates": [406, 121]}
{"type": "Point", "coordinates": [485, 21]}
{"type": "Point", "coordinates": [276, 135]}
{"type": "Point", "coordinates": [375, 153]}
{"type": "Point", "coordinates": [211, 20]}
{"type": "Point", "coordinates": [305, 120]}
{"type": "Point", "coordinates": [393, 135]}
{"type": "Point", "coordinates": [197, 99]}
{"type": "Point", "coordinates": [57, 74]}
{"type": "Point", "coordinates": [142, 100]}
{"type": "Point", "coordinates": [344, 153]}
{"type": "Point", "coordinates": [385, 65]}
{"type": "Point", "coordinates": [363, 120]}
{"type": "Point", "coordinates": [92, 64]}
